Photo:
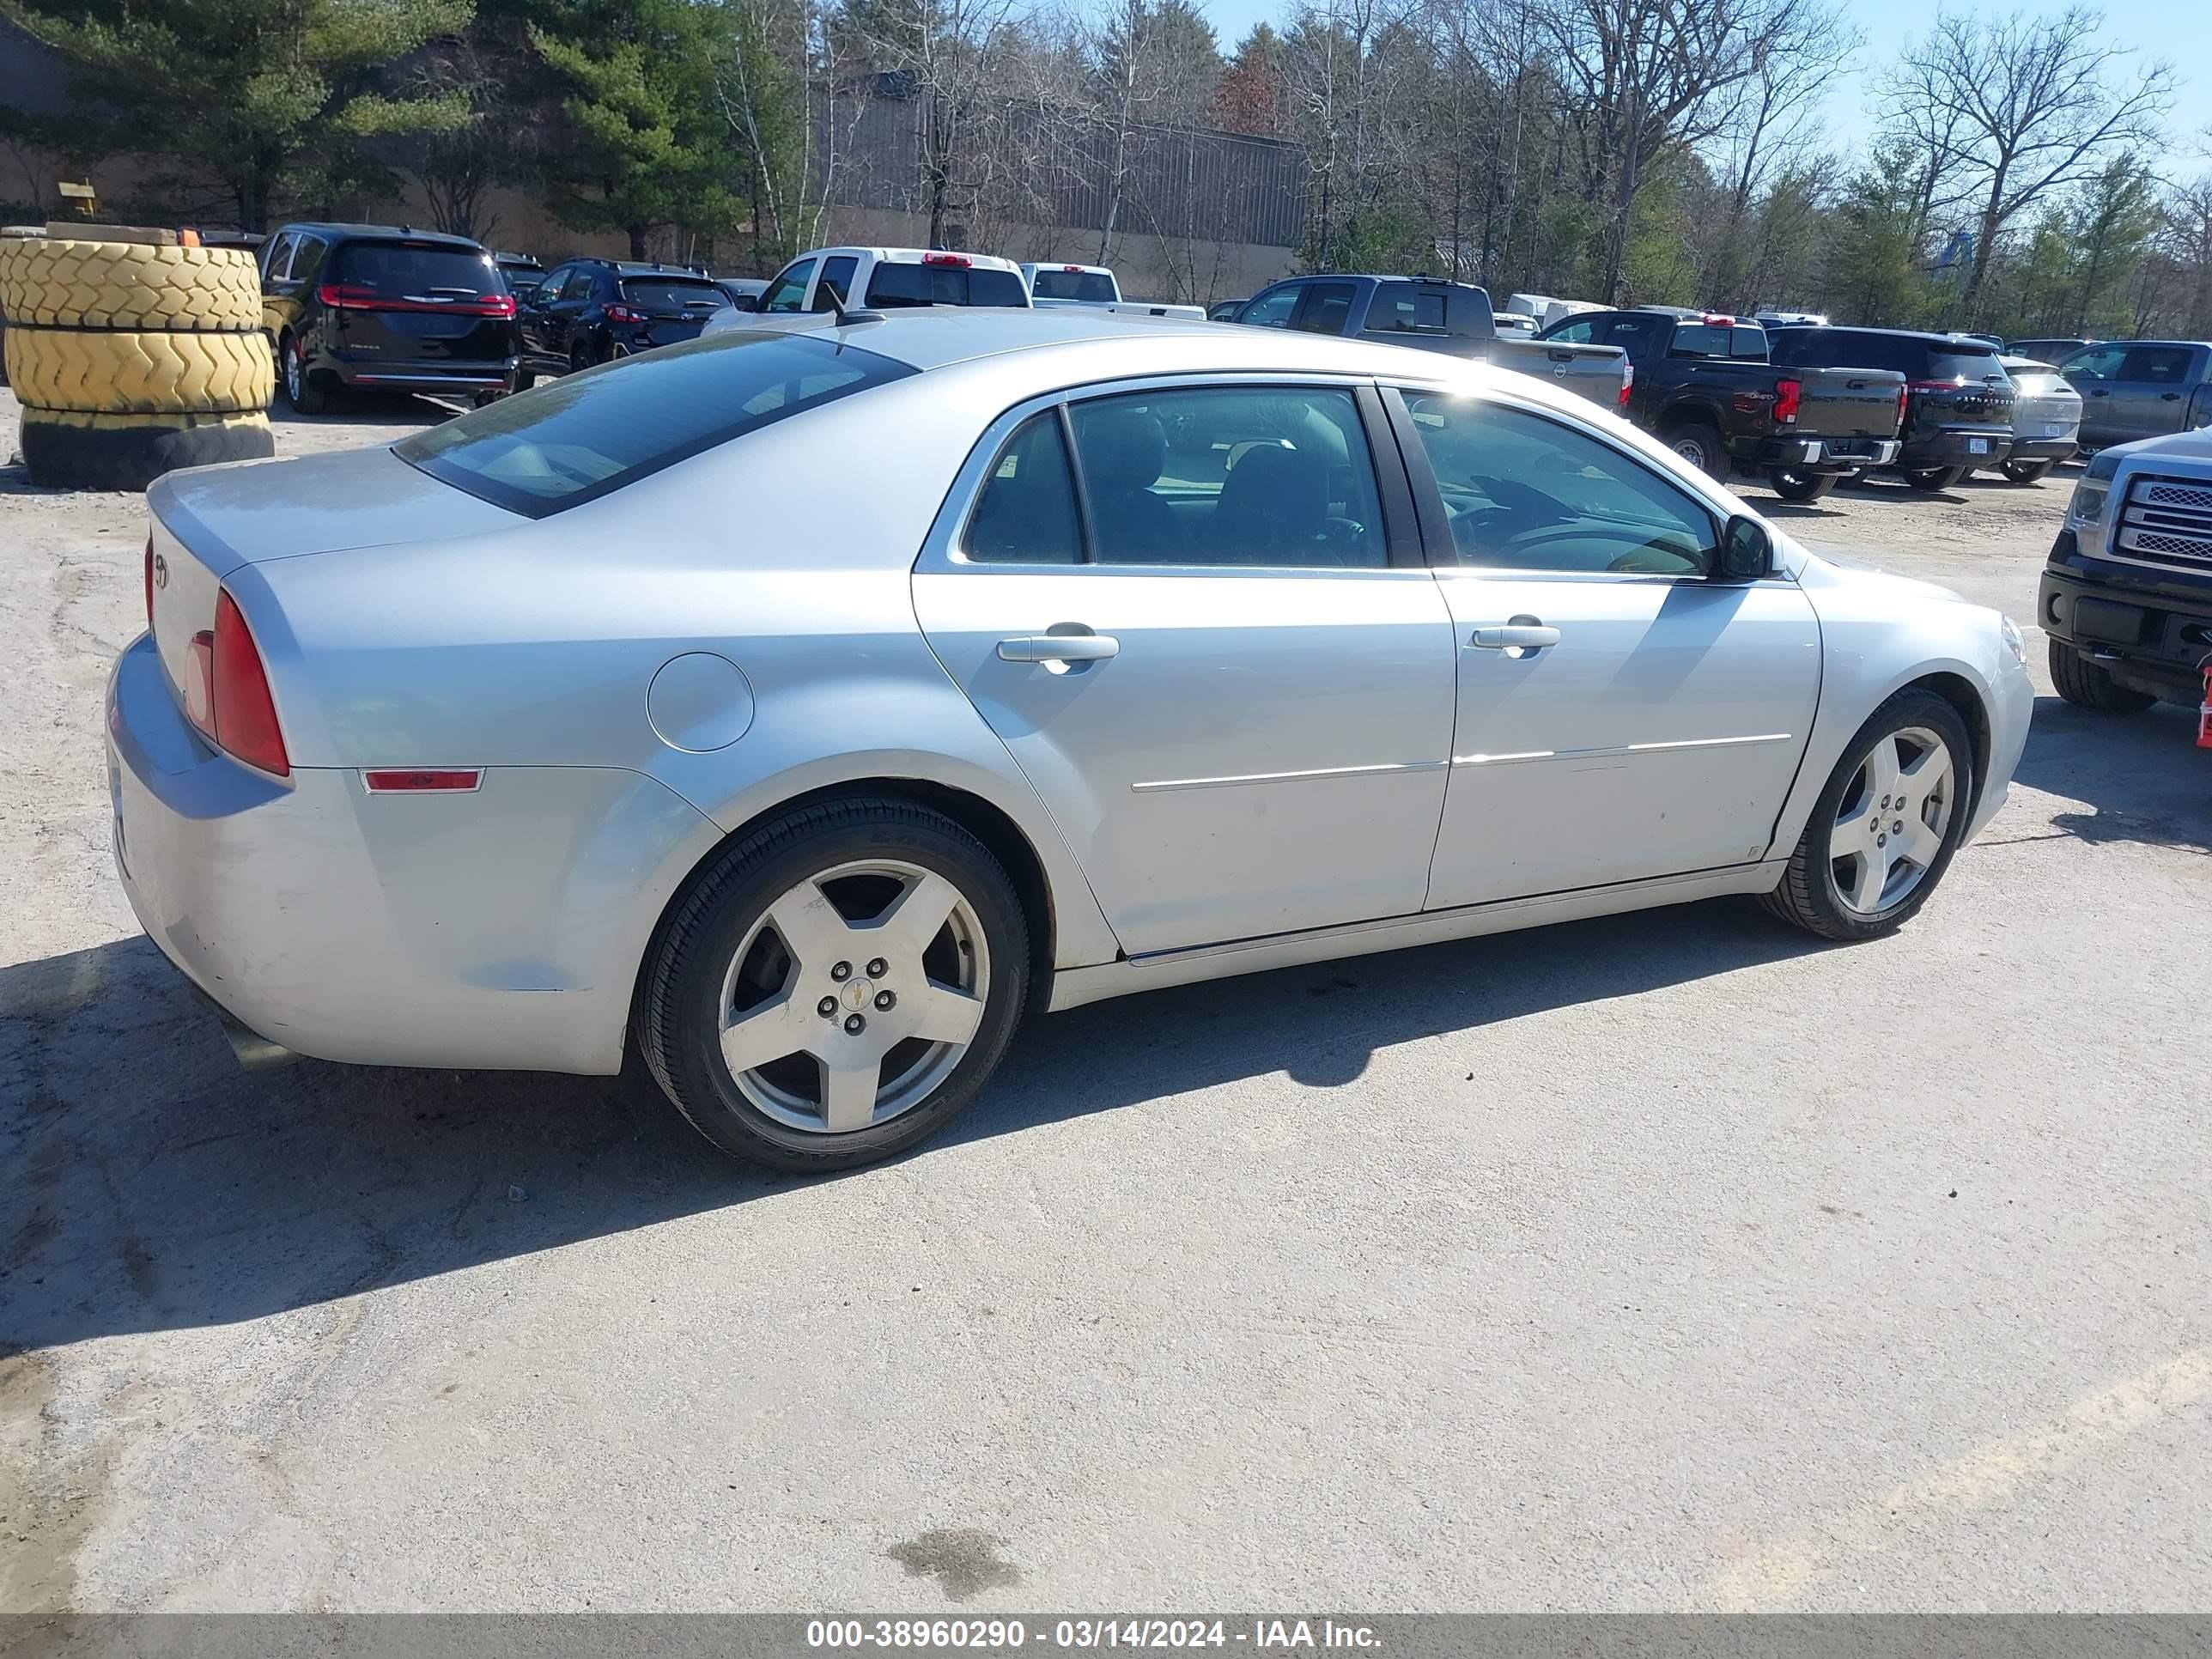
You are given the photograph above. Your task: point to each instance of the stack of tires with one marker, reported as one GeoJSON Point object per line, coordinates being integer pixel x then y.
{"type": "Point", "coordinates": [132, 357]}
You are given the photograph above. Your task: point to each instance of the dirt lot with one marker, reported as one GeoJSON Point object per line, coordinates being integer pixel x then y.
{"type": "Point", "coordinates": [1668, 1262]}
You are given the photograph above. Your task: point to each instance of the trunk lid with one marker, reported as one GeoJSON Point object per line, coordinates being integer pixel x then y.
{"type": "Point", "coordinates": [1847, 402]}
{"type": "Point", "coordinates": [418, 303]}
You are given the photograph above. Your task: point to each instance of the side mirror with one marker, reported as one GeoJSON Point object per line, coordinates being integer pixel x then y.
{"type": "Point", "coordinates": [1746, 552]}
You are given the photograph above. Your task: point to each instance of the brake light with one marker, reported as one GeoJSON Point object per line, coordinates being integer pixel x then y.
{"type": "Point", "coordinates": [624, 314]}
{"type": "Point", "coordinates": [149, 582]}
{"type": "Point", "coordinates": [1787, 395]}
{"type": "Point", "coordinates": [245, 713]}
{"type": "Point", "coordinates": [1714, 321]}
{"type": "Point", "coordinates": [1072, 270]}
{"type": "Point", "coordinates": [352, 296]}
{"type": "Point", "coordinates": [1627, 381]}
{"type": "Point", "coordinates": [959, 259]}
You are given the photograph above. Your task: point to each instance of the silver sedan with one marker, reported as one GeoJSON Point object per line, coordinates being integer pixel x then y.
{"type": "Point", "coordinates": [800, 710]}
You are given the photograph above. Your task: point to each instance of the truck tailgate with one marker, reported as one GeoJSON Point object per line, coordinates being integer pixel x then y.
{"type": "Point", "coordinates": [1596, 372]}
{"type": "Point", "coordinates": [1847, 402]}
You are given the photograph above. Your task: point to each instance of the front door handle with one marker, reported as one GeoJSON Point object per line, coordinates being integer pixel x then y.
{"type": "Point", "coordinates": [2100, 394]}
{"type": "Point", "coordinates": [1512, 636]}
{"type": "Point", "coordinates": [1060, 647]}
{"type": "Point", "coordinates": [2169, 397]}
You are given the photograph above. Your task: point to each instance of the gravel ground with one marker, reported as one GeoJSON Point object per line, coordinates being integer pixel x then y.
{"type": "Point", "coordinates": [1668, 1262]}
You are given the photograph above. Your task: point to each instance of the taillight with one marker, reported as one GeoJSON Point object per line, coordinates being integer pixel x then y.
{"type": "Point", "coordinates": [352, 296]}
{"type": "Point", "coordinates": [149, 583]}
{"type": "Point", "coordinates": [1934, 386]}
{"type": "Point", "coordinates": [1903, 397]}
{"type": "Point", "coordinates": [1627, 382]}
{"type": "Point", "coordinates": [959, 259]}
{"type": "Point", "coordinates": [624, 314]}
{"type": "Point", "coordinates": [1788, 394]}
{"type": "Point", "coordinates": [245, 713]}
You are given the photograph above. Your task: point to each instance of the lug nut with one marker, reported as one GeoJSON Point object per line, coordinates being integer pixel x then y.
{"type": "Point", "coordinates": [827, 1007]}
{"type": "Point", "coordinates": [855, 1025]}
{"type": "Point", "coordinates": [885, 999]}
{"type": "Point", "coordinates": [878, 968]}
{"type": "Point", "coordinates": [841, 972]}
{"type": "Point", "coordinates": [1897, 828]}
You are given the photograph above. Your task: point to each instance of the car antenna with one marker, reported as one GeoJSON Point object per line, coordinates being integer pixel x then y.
{"type": "Point", "coordinates": [855, 315]}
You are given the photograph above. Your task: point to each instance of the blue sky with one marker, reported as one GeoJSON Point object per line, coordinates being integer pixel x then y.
{"type": "Point", "coordinates": [2178, 30]}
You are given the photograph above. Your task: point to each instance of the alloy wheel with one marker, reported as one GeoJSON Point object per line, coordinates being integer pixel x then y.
{"type": "Point", "coordinates": [855, 996]}
{"type": "Point", "coordinates": [295, 371]}
{"type": "Point", "coordinates": [1889, 831]}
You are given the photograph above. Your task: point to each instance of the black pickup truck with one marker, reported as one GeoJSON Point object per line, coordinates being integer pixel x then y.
{"type": "Point", "coordinates": [1703, 383]}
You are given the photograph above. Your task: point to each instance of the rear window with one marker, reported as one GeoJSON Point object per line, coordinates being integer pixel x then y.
{"type": "Point", "coordinates": [672, 294]}
{"type": "Point", "coordinates": [585, 435]}
{"type": "Point", "coordinates": [945, 285]}
{"type": "Point", "coordinates": [417, 270]}
{"type": "Point", "coordinates": [1086, 285]}
{"type": "Point", "coordinates": [1963, 363]}
{"type": "Point", "coordinates": [1400, 309]}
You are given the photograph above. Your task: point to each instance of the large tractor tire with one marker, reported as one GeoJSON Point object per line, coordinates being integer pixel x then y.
{"type": "Point", "coordinates": [76, 451]}
{"type": "Point", "coordinates": [54, 283]}
{"type": "Point", "coordinates": [126, 372]}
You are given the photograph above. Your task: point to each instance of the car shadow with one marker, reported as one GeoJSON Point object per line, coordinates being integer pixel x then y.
{"type": "Point", "coordinates": [1779, 508]}
{"type": "Point", "coordinates": [156, 1187]}
{"type": "Point", "coordinates": [2136, 777]}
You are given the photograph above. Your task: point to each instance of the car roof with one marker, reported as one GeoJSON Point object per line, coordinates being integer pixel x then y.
{"type": "Point", "coordinates": [914, 256]}
{"type": "Point", "coordinates": [383, 232]}
{"type": "Point", "coordinates": [1923, 336]}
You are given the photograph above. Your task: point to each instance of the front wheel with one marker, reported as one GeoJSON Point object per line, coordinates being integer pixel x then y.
{"type": "Point", "coordinates": [2027, 473]}
{"type": "Point", "coordinates": [2087, 684]}
{"type": "Point", "coordinates": [1930, 479]}
{"type": "Point", "coordinates": [1884, 828]}
{"type": "Point", "coordinates": [1794, 486]}
{"type": "Point", "coordinates": [837, 986]}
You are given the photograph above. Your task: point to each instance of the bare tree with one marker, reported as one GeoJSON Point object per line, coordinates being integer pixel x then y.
{"type": "Point", "coordinates": [2025, 106]}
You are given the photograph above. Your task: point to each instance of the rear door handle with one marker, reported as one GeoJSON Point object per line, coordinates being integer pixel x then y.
{"type": "Point", "coordinates": [1059, 647]}
{"type": "Point", "coordinates": [1527, 636]}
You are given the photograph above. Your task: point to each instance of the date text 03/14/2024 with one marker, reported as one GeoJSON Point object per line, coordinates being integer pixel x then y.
{"type": "Point", "coordinates": [999, 1635]}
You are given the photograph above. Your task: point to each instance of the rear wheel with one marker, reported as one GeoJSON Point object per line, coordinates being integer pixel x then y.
{"type": "Point", "coordinates": [1698, 443]}
{"type": "Point", "coordinates": [303, 389]}
{"type": "Point", "coordinates": [579, 356]}
{"type": "Point", "coordinates": [1930, 479]}
{"type": "Point", "coordinates": [837, 986]}
{"type": "Point", "coordinates": [1882, 833]}
{"type": "Point", "coordinates": [2027, 473]}
{"type": "Point", "coordinates": [1794, 486]}
{"type": "Point", "coordinates": [2087, 684]}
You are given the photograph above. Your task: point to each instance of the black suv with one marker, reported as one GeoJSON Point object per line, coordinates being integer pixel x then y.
{"type": "Point", "coordinates": [591, 310]}
{"type": "Point", "coordinates": [384, 307]}
{"type": "Point", "coordinates": [1957, 398]}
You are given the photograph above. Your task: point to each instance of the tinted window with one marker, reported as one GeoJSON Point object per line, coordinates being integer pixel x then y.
{"type": "Point", "coordinates": [672, 294]}
{"type": "Point", "coordinates": [415, 270]}
{"type": "Point", "coordinates": [1239, 475]}
{"type": "Point", "coordinates": [1026, 512]}
{"type": "Point", "coordinates": [1398, 309]}
{"type": "Point", "coordinates": [1843, 348]}
{"type": "Point", "coordinates": [788, 289]}
{"type": "Point", "coordinates": [1637, 336]}
{"type": "Point", "coordinates": [587, 434]}
{"type": "Point", "coordinates": [1525, 493]}
{"type": "Point", "coordinates": [945, 285]}
{"type": "Point", "coordinates": [1326, 307]}
{"type": "Point", "coordinates": [2159, 365]}
{"type": "Point", "coordinates": [1087, 285]}
{"type": "Point", "coordinates": [1955, 362]}
{"type": "Point", "coordinates": [1273, 309]}
{"type": "Point", "coordinates": [836, 281]}
{"type": "Point", "coordinates": [1748, 344]}
{"type": "Point", "coordinates": [307, 255]}
{"type": "Point", "coordinates": [1701, 340]}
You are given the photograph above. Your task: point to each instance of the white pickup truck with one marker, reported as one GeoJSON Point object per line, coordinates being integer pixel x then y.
{"type": "Point", "coordinates": [1095, 287]}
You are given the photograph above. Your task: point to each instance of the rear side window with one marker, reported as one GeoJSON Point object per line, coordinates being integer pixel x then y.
{"type": "Point", "coordinates": [2159, 365]}
{"type": "Point", "coordinates": [1085, 285]}
{"type": "Point", "coordinates": [417, 270]}
{"type": "Point", "coordinates": [671, 294]}
{"type": "Point", "coordinates": [1325, 309]}
{"type": "Point", "coordinates": [1396, 310]}
{"type": "Point", "coordinates": [945, 285]}
{"type": "Point", "coordinates": [1026, 513]}
{"type": "Point", "coordinates": [587, 434]}
{"type": "Point", "coordinates": [1701, 340]}
{"type": "Point", "coordinates": [1749, 345]}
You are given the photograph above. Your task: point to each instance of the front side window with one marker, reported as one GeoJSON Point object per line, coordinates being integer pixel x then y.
{"type": "Point", "coordinates": [1576, 334]}
{"type": "Point", "coordinates": [1026, 513]}
{"type": "Point", "coordinates": [587, 434]}
{"type": "Point", "coordinates": [1237, 476]}
{"type": "Point", "coordinates": [1528, 493]}
{"type": "Point", "coordinates": [2098, 363]}
{"type": "Point", "coordinates": [1273, 309]}
{"type": "Point", "coordinates": [788, 291]}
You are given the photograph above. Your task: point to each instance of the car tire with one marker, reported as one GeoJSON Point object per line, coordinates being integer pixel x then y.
{"type": "Point", "coordinates": [304, 389]}
{"type": "Point", "coordinates": [780, 926]}
{"type": "Point", "coordinates": [580, 357]}
{"type": "Point", "coordinates": [1929, 480]}
{"type": "Point", "coordinates": [75, 451]}
{"type": "Point", "coordinates": [525, 379]}
{"type": "Point", "coordinates": [2027, 473]}
{"type": "Point", "coordinates": [1698, 442]}
{"type": "Point", "coordinates": [2087, 684]}
{"type": "Point", "coordinates": [1794, 486]}
{"type": "Point", "coordinates": [1850, 836]}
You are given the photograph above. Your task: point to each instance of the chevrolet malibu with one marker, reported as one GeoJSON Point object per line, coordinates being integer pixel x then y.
{"type": "Point", "coordinates": [800, 710]}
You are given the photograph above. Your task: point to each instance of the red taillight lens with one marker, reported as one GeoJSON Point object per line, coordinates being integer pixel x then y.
{"type": "Point", "coordinates": [1902, 397]}
{"type": "Point", "coordinates": [149, 584]}
{"type": "Point", "coordinates": [1072, 270]}
{"type": "Point", "coordinates": [346, 296]}
{"type": "Point", "coordinates": [245, 713]}
{"type": "Point", "coordinates": [1627, 381]}
{"type": "Point", "coordinates": [624, 314]}
{"type": "Point", "coordinates": [1787, 395]}
{"type": "Point", "coordinates": [352, 296]}
{"type": "Point", "coordinates": [960, 260]}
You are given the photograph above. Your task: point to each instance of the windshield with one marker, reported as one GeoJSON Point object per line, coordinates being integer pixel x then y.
{"type": "Point", "coordinates": [1092, 286]}
{"type": "Point", "coordinates": [587, 435]}
{"type": "Point", "coordinates": [945, 285]}
{"type": "Point", "coordinates": [417, 270]}
{"type": "Point", "coordinates": [672, 294]}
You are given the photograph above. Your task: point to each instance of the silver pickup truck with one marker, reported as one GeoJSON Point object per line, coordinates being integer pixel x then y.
{"type": "Point", "coordinates": [2134, 389]}
{"type": "Point", "coordinates": [1432, 315]}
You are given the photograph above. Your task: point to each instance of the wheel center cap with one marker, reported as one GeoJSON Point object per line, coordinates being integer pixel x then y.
{"type": "Point", "coordinates": [856, 994]}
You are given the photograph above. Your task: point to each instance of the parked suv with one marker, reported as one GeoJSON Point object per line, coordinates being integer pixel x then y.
{"type": "Point", "coordinates": [1703, 383]}
{"type": "Point", "coordinates": [593, 311]}
{"type": "Point", "coordinates": [1958, 406]}
{"type": "Point", "coordinates": [2135, 389]}
{"type": "Point", "coordinates": [2127, 595]}
{"type": "Point", "coordinates": [384, 307]}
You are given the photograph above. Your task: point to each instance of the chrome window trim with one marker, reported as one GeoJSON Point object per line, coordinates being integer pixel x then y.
{"type": "Point", "coordinates": [941, 550]}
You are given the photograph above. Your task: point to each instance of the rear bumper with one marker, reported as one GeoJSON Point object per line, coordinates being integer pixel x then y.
{"type": "Point", "coordinates": [2151, 632]}
{"type": "Point", "coordinates": [398, 375]}
{"type": "Point", "coordinates": [1956, 447]}
{"type": "Point", "coordinates": [2042, 449]}
{"type": "Point", "coordinates": [502, 929]}
{"type": "Point", "coordinates": [1815, 454]}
